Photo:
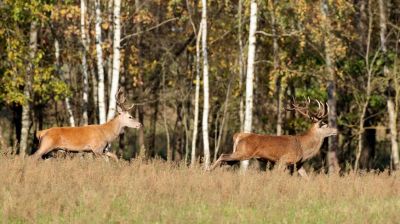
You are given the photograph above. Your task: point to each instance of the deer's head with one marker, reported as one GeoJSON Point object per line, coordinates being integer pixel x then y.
{"type": "Point", "coordinates": [318, 126]}
{"type": "Point", "coordinates": [124, 115]}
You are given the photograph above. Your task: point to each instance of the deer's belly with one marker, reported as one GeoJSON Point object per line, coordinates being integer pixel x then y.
{"type": "Point", "coordinates": [279, 154]}
{"type": "Point", "coordinates": [76, 146]}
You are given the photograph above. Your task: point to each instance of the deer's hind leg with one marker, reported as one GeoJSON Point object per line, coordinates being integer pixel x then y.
{"type": "Point", "coordinates": [228, 157]}
{"type": "Point", "coordinates": [45, 146]}
{"type": "Point", "coordinates": [286, 162]}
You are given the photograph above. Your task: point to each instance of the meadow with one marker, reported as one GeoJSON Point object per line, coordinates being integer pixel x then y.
{"type": "Point", "coordinates": [96, 191]}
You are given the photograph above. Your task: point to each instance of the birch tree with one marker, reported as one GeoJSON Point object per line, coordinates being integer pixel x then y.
{"type": "Point", "coordinates": [196, 98]}
{"type": "Point", "coordinates": [116, 59]}
{"type": "Point", "coordinates": [250, 74]}
{"type": "Point", "coordinates": [85, 75]}
{"type": "Point", "coordinates": [206, 103]}
{"type": "Point", "coordinates": [100, 69]}
{"type": "Point", "coordinates": [33, 32]}
{"type": "Point", "coordinates": [390, 104]}
{"type": "Point", "coordinates": [332, 116]}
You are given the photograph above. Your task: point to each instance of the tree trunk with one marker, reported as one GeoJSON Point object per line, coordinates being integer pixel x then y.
{"type": "Point", "coordinates": [390, 104]}
{"type": "Point", "coordinates": [177, 139]}
{"type": "Point", "coordinates": [393, 134]}
{"type": "Point", "coordinates": [26, 122]}
{"type": "Point", "coordinates": [71, 118]}
{"type": "Point", "coordinates": [196, 98]}
{"type": "Point", "coordinates": [332, 116]}
{"type": "Point", "coordinates": [140, 90]}
{"type": "Point", "coordinates": [368, 92]}
{"type": "Point", "coordinates": [278, 78]}
{"type": "Point", "coordinates": [361, 17]}
{"type": "Point", "coordinates": [241, 65]}
{"type": "Point", "coordinates": [140, 117]}
{"type": "Point", "coordinates": [116, 60]}
{"type": "Point", "coordinates": [85, 97]}
{"type": "Point", "coordinates": [167, 135]}
{"type": "Point", "coordinates": [250, 74]}
{"type": "Point", "coordinates": [186, 123]}
{"type": "Point", "coordinates": [368, 151]}
{"type": "Point", "coordinates": [206, 103]}
{"type": "Point", "coordinates": [100, 69]}
{"type": "Point", "coordinates": [95, 92]}
{"type": "Point", "coordinates": [222, 125]}
{"type": "Point", "coordinates": [110, 37]}
{"type": "Point", "coordinates": [153, 123]}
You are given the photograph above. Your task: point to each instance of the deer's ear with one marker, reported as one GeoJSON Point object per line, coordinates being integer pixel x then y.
{"type": "Point", "coordinates": [119, 109]}
{"type": "Point", "coordinates": [322, 124]}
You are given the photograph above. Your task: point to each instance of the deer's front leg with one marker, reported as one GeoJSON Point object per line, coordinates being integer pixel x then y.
{"type": "Point", "coordinates": [99, 150]}
{"type": "Point", "coordinates": [112, 155]}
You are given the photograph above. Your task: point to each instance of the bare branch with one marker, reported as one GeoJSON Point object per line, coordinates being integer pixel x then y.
{"type": "Point", "coordinates": [150, 29]}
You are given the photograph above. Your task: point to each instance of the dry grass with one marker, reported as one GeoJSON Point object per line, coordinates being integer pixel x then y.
{"type": "Point", "coordinates": [94, 191]}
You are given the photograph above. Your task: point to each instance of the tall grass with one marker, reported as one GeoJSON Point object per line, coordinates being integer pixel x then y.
{"type": "Point", "coordinates": [95, 191]}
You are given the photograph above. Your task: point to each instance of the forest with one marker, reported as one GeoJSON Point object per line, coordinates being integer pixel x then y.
{"type": "Point", "coordinates": [200, 71]}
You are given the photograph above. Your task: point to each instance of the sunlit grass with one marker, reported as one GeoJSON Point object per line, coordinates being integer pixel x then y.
{"type": "Point", "coordinates": [95, 191]}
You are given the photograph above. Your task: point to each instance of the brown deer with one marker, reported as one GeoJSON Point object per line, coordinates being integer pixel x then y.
{"type": "Point", "coordinates": [92, 138]}
{"type": "Point", "coordinates": [286, 149]}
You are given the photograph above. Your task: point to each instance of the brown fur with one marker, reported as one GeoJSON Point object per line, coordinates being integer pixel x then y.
{"type": "Point", "coordinates": [93, 138]}
{"type": "Point", "coordinates": [286, 149]}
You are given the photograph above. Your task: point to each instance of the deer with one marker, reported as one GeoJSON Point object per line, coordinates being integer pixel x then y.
{"type": "Point", "coordinates": [89, 138]}
{"type": "Point", "coordinates": [289, 150]}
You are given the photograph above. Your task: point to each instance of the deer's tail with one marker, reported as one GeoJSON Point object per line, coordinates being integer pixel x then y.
{"type": "Point", "coordinates": [235, 141]}
{"type": "Point", "coordinates": [236, 138]}
{"type": "Point", "coordinates": [40, 134]}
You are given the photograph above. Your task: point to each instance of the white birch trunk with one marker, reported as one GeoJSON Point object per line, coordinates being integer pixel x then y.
{"type": "Point", "coordinates": [206, 104]}
{"type": "Point", "coordinates": [196, 98]}
{"type": "Point", "coordinates": [116, 60]}
{"type": "Point", "coordinates": [390, 104]}
{"type": "Point", "coordinates": [71, 118]}
{"type": "Point", "coordinates": [393, 134]}
{"type": "Point", "coordinates": [100, 69]}
{"type": "Point", "coordinates": [27, 90]}
{"type": "Point", "coordinates": [250, 74]}
{"type": "Point", "coordinates": [85, 97]}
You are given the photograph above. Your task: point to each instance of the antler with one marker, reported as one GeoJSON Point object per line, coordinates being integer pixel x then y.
{"type": "Point", "coordinates": [304, 110]}
{"type": "Point", "coordinates": [321, 113]}
{"type": "Point", "coordinates": [301, 109]}
{"type": "Point", "coordinates": [120, 96]}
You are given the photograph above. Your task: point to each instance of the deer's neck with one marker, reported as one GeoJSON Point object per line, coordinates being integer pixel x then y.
{"type": "Point", "coordinates": [310, 142]}
{"type": "Point", "coordinates": [112, 129]}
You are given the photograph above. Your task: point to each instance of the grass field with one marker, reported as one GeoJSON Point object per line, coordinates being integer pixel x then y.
{"type": "Point", "coordinates": [96, 191]}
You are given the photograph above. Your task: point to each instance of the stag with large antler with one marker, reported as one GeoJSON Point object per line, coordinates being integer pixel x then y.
{"type": "Point", "coordinates": [285, 149]}
{"type": "Point", "coordinates": [91, 138]}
